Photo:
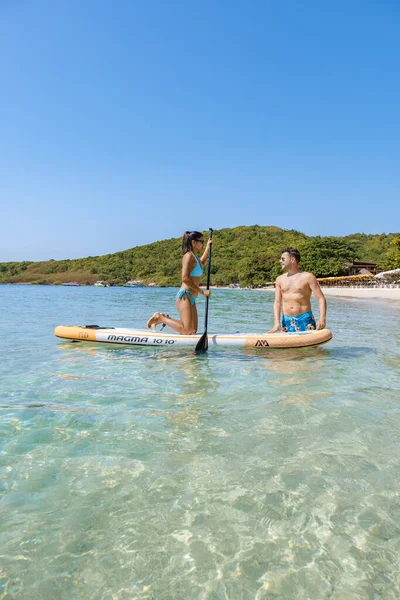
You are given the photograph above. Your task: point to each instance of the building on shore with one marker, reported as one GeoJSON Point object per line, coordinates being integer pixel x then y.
{"type": "Point", "coordinates": [360, 267]}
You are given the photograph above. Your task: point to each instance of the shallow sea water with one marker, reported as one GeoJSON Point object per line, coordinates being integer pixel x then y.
{"type": "Point", "coordinates": [153, 473]}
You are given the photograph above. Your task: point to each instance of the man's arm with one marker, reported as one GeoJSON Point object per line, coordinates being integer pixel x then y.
{"type": "Point", "coordinates": [314, 285]}
{"type": "Point", "coordinates": [277, 308]}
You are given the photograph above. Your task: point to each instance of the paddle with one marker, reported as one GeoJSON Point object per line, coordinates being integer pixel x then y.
{"type": "Point", "coordinates": [202, 344]}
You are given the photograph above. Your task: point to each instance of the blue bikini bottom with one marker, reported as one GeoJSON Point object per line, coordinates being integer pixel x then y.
{"type": "Point", "coordinates": [182, 292]}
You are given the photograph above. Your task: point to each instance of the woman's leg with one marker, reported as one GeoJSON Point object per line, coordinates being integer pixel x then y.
{"type": "Point", "coordinates": [187, 312]}
{"type": "Point", "coordinates": [188, 315]}
{"type": "Point", "coordinates": [195, 317]}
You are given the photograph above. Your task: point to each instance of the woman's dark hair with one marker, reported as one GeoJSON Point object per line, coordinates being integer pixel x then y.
{"type": "Point", "coordinates": [293, 252]}
{"type": "Point", "coordinates": [188, 238]}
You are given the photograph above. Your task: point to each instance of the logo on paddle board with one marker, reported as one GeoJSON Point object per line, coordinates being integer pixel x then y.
{"type": "Point", "coordinates": [261, 344]}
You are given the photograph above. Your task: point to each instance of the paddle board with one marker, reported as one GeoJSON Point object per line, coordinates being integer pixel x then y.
{"type": "Point", "coordinates": [165, 339]}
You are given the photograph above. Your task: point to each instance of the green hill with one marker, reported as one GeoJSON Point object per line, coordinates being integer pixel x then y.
{"type": "Point", "coordinates": [248, 255]}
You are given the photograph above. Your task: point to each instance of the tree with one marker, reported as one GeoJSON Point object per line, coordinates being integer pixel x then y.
{"type": "Point", "coordinates": [246, 254]}
{"type": "Point", "coordinates": [255, 270]}
{"type": "Point", "coordinates": [392, 257]}
{"type": "Point", "coordinates": [325, 256]}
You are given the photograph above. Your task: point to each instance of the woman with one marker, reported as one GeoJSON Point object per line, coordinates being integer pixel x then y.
{"type": "Point", "coordinates": [192, 270]}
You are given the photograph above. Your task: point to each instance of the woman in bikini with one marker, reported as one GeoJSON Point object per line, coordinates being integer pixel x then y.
{"type": "Point", "coordinates": [192, 270]}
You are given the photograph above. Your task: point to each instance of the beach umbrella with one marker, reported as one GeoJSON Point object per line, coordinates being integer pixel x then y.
{"type": "Point", "coordinates": [385, 274]}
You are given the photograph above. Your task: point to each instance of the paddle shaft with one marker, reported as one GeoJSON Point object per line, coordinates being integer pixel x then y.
{"type": "Point", "coordinates": [208, 283]}
{"type": "Point", "coordinates": [202, 344]}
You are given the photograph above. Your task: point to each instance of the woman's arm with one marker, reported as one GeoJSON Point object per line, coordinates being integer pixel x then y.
{"type": "Point", "coordinates": [206, 252]}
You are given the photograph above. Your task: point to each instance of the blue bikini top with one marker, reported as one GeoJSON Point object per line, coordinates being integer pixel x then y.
{"type": "Point", "coordinates": [198, 270]}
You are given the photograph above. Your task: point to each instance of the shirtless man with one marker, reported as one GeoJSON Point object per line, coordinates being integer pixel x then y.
{"type": "Point", "coordinates": [294, 289]}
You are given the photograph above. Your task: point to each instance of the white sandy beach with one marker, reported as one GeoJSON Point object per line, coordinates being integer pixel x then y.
{"type": "Point", "coordinates": [366, 293]}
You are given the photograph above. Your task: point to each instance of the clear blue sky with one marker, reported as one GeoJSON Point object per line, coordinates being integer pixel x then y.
{"type": "Point", "coordinates": [125, 122]}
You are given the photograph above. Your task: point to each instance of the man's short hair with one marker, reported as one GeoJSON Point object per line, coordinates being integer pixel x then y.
{"type": "Point", "coordinates": [293, 253]}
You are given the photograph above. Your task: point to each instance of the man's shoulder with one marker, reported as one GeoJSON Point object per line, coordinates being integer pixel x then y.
{"type": "Point", "coordinates": [308, 275]}
{"type": "Point", "coordinates": [310, 280]}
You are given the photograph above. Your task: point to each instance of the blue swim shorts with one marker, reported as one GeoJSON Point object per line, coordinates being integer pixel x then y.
{"type": "Point", "coordinates": [182, 292]}
{"type": "Point", "coordinates": [304, 322]}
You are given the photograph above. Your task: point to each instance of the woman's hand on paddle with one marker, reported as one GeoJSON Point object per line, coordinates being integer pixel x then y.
{"type": "Point", "coordinates": [206, 252]}
{"type": "Point", "coordinates": [207, 293]}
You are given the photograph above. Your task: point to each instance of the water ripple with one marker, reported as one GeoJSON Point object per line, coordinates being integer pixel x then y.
{"type": "Point", "coordinates": [133, 473]}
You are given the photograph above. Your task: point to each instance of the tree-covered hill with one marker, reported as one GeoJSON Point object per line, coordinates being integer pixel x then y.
{"type": "Point", "coordinates": [248, 255]}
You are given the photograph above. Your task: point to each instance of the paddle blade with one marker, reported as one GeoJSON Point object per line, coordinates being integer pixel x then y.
{"type": "Point", "coordinates": [202, 344]}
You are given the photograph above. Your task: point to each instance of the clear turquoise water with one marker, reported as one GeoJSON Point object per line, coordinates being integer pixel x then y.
{"type": "Point", "coordinates": [156, 474]}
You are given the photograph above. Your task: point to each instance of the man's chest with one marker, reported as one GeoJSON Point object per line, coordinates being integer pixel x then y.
{"type": "Point", "coordinates": [296, 286]}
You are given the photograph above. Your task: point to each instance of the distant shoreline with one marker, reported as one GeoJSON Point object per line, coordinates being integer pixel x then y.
{"type": "Point", "coordinates": [365, 293]}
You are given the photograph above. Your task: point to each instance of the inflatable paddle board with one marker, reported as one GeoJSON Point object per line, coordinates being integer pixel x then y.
{"type": "Point", "coordinates": [147, 337]}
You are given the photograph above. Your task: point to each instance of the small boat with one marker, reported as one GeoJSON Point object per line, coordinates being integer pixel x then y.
{"type": "Point", "coordinates": [100, 284]}
{"type": "Point", "coordinates": [147, 337]}
{"type": "Point", "coordinates": [134, 284]}
{"type": "Point", "coordinates": [73, 283]}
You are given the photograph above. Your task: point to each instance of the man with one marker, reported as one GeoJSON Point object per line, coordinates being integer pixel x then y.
{"type": "Point", "coordinates": [293, 292]}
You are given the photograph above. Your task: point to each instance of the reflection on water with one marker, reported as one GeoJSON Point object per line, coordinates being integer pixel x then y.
{"type": "Point", "coordinates": [150, 473]}
{"type": "Point", "coordinates": [346, 352]}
